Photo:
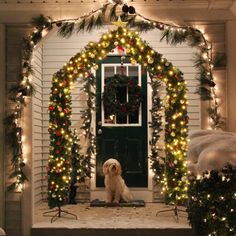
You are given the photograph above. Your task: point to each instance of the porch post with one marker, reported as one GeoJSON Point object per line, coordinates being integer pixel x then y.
{"type": "Point", "coordinates": [231, 72]}
{"type": "Point", "coordinates": [2, 114]}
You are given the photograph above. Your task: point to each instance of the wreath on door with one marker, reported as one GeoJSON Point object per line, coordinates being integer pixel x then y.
{"type": "Point", "coordinates": [111, 105]}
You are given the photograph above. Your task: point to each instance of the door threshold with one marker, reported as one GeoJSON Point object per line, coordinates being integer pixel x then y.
{"type": "Point", "coordinates": [138, 194]}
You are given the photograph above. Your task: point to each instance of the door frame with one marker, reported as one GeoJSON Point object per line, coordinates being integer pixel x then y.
{"type": "Point", "coordinates": [145, 194]}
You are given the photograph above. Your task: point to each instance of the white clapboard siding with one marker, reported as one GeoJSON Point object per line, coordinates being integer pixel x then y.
{"type": "Point", "coordinates": [37, 122]}
{"type": "Point", "coordinates": [53, 54]}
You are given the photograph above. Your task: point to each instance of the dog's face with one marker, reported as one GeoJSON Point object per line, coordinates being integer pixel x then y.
{"type": "Point", "coordinates": [111, 167]}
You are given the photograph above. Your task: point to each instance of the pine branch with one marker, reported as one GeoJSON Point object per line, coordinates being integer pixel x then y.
{"type": "Point", "coordinates": [205, 93]}
{"type": "Point", "coordinates": [104, 9]}
{"type": "Point", "coordinates": [41, 22]}
{"type": "Point", "coordinates": [199, 61]}
{"type": "Point", "coordinates": [81, 25]}
{"type": "Point", "coordinates": [220, 60]}
{"type": "Point", "coordinates": [11, 187]}
{"type": "Point", "coordinates": [66, 29]}
{"type": "Point", "coordinates": [113, 16]}
{"type": "Point", "coordinates": [99, 21]}
{"type": "Point", "coordinates": [90, 24]}
{"type": "Point", "coordinates": [174, 37]}
{"type": "Point", "coordinates": [36, 36]}
{"type": "Point", "coordinates": [195, 37]}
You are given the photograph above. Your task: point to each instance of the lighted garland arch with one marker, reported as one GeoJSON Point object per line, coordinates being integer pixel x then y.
{"type": "Point", "coordinates": [173, 175]}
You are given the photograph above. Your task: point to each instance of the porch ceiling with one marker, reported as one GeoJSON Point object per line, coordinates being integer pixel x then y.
{"type": "Point", "coordinates": [164, 4]}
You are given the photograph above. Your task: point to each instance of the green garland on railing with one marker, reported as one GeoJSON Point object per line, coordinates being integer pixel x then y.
{"type": "Point", "coordinates": [212, 203]}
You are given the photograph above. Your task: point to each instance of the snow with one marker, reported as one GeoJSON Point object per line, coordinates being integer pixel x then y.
{"type": "Point", "coordinates": [210, 150]}
{"type": "Point", "coordinates": [112, 217]}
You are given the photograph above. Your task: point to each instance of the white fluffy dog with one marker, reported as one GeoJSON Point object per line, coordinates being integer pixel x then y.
{"type": "Point", "coordinates": [115, 186]}
{"type": "Point", "coordinates": [211, 150]}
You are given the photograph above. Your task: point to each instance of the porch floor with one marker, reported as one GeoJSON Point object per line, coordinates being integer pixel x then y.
{"type": "Point", "coordinates": [96, 220]}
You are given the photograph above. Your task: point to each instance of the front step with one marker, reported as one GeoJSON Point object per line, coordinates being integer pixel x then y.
{"type": "Point", "coordinates": [110, 232]}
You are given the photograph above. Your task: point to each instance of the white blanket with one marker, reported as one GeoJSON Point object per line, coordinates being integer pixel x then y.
{"type": "Point", "coordinates": [210, 150]}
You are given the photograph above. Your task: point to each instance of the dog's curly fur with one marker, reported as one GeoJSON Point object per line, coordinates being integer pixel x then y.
{"type": "Point", "coordinates": [115, 186]}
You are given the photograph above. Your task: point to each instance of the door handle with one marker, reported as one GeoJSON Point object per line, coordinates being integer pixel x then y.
{"type": "Point", "coordinates": [99, 131]}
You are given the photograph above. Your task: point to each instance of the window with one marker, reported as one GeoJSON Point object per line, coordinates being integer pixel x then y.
{"type": "Point", "coordinates": [122, 96]}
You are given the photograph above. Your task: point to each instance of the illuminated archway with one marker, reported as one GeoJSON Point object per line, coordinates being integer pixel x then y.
{"type": "Point", "coordinates": [173, 174]}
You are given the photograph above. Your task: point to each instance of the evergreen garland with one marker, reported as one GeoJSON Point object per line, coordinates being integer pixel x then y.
{"type": "Point", "coordinates": [89, 88]}
{"type": "Point", "coordinates": [157, 161]}
{"type": "Point", "coordinates": [80, 164]}
{"type": "Point", "coordinates": [212, 203]}
{"type": "Point", "coordinates": [80, 168]}
{"type": "Point", "coordinates": [204, 65]}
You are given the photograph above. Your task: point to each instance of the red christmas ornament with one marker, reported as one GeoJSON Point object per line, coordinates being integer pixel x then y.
{"type": "Point", "coordinates": [51, 108]}
{"type": "Point", "coordinates": [65, 83]}
{"type": "Point", "coordinates": [49, 130]}
{"type": "Point", "coordinates": [58, 143]}
{"type": "Point", "coordinates": [177, 77]}
{"type": "Point", "coordinates": [132, 42]}
{"type": "Point", "coordinates": [57, 151]}
{"type": "Point", "coordinates": [120, 48]}
{"type": "Point", "coordinates": [66, 110]}
{"type": "Point", "coordinates": [159, 76]}
{"type": "Point", "coordinates": [58, 133]}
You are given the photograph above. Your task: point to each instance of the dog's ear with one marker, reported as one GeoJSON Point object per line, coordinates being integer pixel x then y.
{"type": "Point", "coordinates": [105, 168]}
{"type": "Point", "coordinates": [118, 169]}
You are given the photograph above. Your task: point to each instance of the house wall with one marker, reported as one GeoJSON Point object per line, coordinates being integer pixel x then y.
{"type": "Point", "coordinates": [38, 165]}
{"type": "Point", "coordinates": [14, 19]}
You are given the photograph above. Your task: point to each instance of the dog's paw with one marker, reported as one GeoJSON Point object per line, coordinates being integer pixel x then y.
{"type": "Point", "coordinates": [116, 201]}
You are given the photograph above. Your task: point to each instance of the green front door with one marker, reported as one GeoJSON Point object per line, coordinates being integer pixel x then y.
{"type": "Point", "coordinates": [122, 138]}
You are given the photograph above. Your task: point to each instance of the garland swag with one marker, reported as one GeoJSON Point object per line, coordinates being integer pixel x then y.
{"type": "Point", "coordinates": [112, 106]}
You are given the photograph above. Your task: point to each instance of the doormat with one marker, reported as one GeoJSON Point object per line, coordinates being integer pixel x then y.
{"type": "Point", "coordinates": [133, 203]}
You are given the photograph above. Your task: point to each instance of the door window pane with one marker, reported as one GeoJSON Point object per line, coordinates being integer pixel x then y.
{"type": "Point", "coordinates": [122, 96]}
{"type": "Point", "coordinates": [109, 71]}
{"type": "Point", "coordinates": [121, 70]}
{"type": "Point", "coordinates": [133, 71]}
